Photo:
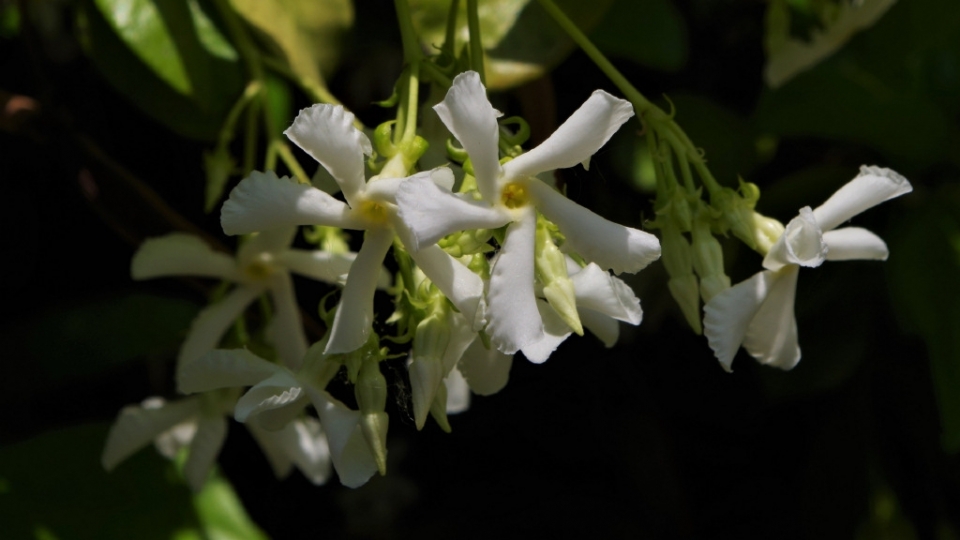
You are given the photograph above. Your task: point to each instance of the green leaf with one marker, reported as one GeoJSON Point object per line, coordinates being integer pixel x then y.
{"type": "Point", "coordinates": [83, 341]}
{"type": "Point", "coordinates": [522, 41]}
{"type": "Point", "coordinates": [727, 139]}
{"type": "Point", "coordinates": [306, 33]}
{"type": "Point", "coordinates": [651, 33]}
{"type": "Point", "coordinates": [924, 266]}
{"type": "Point", "coordinates": [221, 513]}
{"type": "Point", "coordinates": [167, 57]}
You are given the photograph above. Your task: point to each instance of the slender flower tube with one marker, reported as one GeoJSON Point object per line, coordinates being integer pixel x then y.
{"type": "Point", "coordinates": [263, 202]}
{"type": "Point", "coordinates": [758, 313]}
{"type": "Point", "coordinates": [512, 195]}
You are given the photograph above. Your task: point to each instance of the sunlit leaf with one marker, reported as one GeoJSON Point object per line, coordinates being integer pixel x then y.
{"type": "Point", "coordinates": [221, 514]}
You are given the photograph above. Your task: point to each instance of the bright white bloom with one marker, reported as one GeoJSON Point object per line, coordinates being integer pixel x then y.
{"type": "Point", "coordinates": [277, 397]}
{"type": "Point", "coordinates": [758, 313]}
{"type": "Point", "coordinates": [198, 423]}
{"type": "Point", "coordinates": [263, 202]}
{"type": "Point", "coordinates": [601, 299]}
{"type": "Point", "coordinates": [263, 263]}
{"type": "Point", "coordinates": [512, 194]}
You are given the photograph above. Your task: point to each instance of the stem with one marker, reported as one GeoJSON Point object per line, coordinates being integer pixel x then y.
{"type": "Point", "coordinates": [249, 93]}
{"type": "Point", "coordinates": [283, 150]}
{"type": "Point", "coordinates": [476, 44]}
{"type": "Point", "coordinates": [450, 38]}
{"type": "Point", "coordinates": [410, 96]}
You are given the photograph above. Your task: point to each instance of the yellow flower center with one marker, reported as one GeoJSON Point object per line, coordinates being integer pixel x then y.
{"type": "Point", "coordinates": [374, 211]}
{"type": "Point", "coordinates": [514, 195]}
{"type": "Point", "coordinates": [259, 268]}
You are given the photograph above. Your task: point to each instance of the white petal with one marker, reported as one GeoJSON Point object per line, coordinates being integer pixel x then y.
{"type": "Point", "coordinates": [262, 202]}
{"type": "Point", "coordinates": [587, 129]}
{"type": "Point", "coordinates": [771, 337]}
{"type": "Point", "coordinates": [212, 323]}
{"type": "Point", "coordinates": [277, 391]}
{"type": "Point", "coordinates": [597, 290]}
{"type": "Point", "coordinates": [286, 328]}
{"type": "Point", "coordinates": [801, 243]}
{"type": "Point", "coordinates": [462, 335]}
{"type": "Point", "coordinates": [269, 242]}
{"type": "Point", "coordinates": [458, 392]}
{"type": "Point", "coordinates": [206, 444]}
{"type": "Point", "coordinates": [728, 314]}
{"type": "Point", "coordinates": [327, 133]}
{"type": "Point", "coordinates": [512, 308]}
{"type": "Point", "coordinates": [468, 115]}
{"type": "Point", "coordinates": [432, 212]}
{"type": "Point", "coordinates": [309, 449]}
{"type": "Point", "coordinates": [606, 328]}
{"type": "Point", "coordinates": [136, 426]}
{"type": "Point", "coordinates": [486, 370]}
{"type": "Point", "coordinates": [457, 282]}
{"type": "Point", "coordinates": [351, 324]}
{"type": "Point", "coordinates": [555, 332]}
{"type": "Point", "coordinates": [180, 254]}
{"type": "Point", "coordinates": [871, 187]}
{"type": "Point", "coordinates": [224, 368]}
{"type": "Point", "coordinates": [272, 445]}
{"type": "Point", "coordinates": [172, 441]}
{"type": "Point", "coordinates": [349, 451]}
{"type": "Point", "coordinates": [610, 245]}
{"type": "Point", "coordinates": [854, 243]}
{"type": "Point", "coordinates": [319, 265]}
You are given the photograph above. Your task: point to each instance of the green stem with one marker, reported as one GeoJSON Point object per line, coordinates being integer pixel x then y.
{"type": "Point", "coordinates": [450, 38]}
{"type": "Point", "coordinates": [229, 125]}
{"type": "Point", "coordinates": [250, 137]}
{"type": "Point", "coordinates": [410, 96]}
{"type": "Point", "coordinates": [476, 44]}
{"type": "Point", "coordinates": [283, 150]}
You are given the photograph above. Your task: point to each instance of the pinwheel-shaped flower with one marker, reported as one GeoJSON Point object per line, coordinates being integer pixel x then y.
{"type": "Point", "coordinates": [758, 313]}
{"type": "Point", "coordinates": [512, 194]}
{"type": "Point", "coordinates": [263, 263]}
{"type": "Point", "coordinates": [263, 202]}
{"type": "Point", "coordinates": [198, 423]}
{"type": "Point", "coordinates": [278, 396]}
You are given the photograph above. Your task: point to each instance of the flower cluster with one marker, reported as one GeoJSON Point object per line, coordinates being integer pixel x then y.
{"type": "Point", "coordinates": [499, 264]}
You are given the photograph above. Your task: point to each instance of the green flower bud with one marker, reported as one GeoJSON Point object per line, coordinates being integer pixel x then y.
{"type": "Point", "coordinates": [767, 231]}
{"type": "Point", "coordinates": [737, 212]}
{"type": "Point", "coordinates": [383, 139]}
{"type": "Point", "coordinates": [551, 269]}
{"type": "Point", "coordinates": [438, 410]}
{"type": "Point", "coordinates": [371, 394]}
{"type": "Point", "coordinates": [708, 260]}
{"type": "Point", "coordinates": [426, 368]}
{"type": "Point", "coordinates": [686, 292]}
{"type": "Point", "coordinates": [678, 260]}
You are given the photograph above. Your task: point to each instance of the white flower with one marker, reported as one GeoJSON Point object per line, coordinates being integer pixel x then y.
{"type": "Point", "coordinates": [277, 397]}
{"type": "Point", "coordinates": [512, 194]}
{"type": "Point", "coordinates": [263, 202]}
{"type": "Point", "coordinates": [198, 423]}
{"type": "Point", "coordinates": [602, 300]}
{"type": "Point", "coordinates": [758, 313]}
{"type": "Point", "coordinates": [263, 263]}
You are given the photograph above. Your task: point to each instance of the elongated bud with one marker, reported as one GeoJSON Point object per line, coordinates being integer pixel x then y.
{"type": "Point", "coordinates": [708, 261]}
{"type": "Point", "coordinates": [438, 410]}
{"type": "Point", "coordinates": [737, 211]}
{"type": "Point", "coordinates": [426, 368]}
{"type": "Point", "coordinates": [371, 394]}
{"type": "Point", "coordinates": [551, 268]}
{"type": "Point", "coordinates": [678, 260]}
{"type": "Point", "coordinates": [767, 232]}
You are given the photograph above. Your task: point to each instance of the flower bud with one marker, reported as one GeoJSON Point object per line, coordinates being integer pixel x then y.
{"type": "Point", "coordinates": [438, 410]}
{"type": "Point", "coordinates": [371, 394]}
{"type": "Point", "coordinates": [708, 260]}
{"type": "Point", "coordinates": [737, 211]}
{"type": "Point", "coordinates": [678, 261]}
{"type": "Point", "coordinates": [767, 231]}
{"type": "Point", "coordinates": [426, 367]}
{"type": "Point", "coordinates": [551, 268]}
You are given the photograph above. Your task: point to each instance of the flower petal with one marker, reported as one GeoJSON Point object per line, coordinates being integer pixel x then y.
{"type": "Point", "coordinates": [319, 265]}
{"type": "Point", "coordinates": [208, 328]}
{"type": "Point", "coordinates": [309, 449]}
{"type": "Point", "coordinates": [351, 324]}
{"type": "Point", "coordinates": [137, 425]}
{"type": "Point", "coordinates": [606, 328]}
{"type": "Point", "coordinates": [512, 307]}
{"type": "Point", "coordinates": [461, 285]}
{"type": "Point", "coordinates": [871, 187]}
{"type": "Point", "coordinates": [351, 456]}
{"type": "Point", "coordinates": [771, 337]}
{"type": "Point", "coordinates": [224, 368]}
{"type": "Point", "coordinates": [327, 133]}
{"type": "Point", "coordinates": [179, 254]}
{"type": "Point", "coordinates": [728, 314]}
{"type": "Point", "coordinates": [270, 242]}
{"type": "Point", "coordinates": [555, 332]}
{"type": "Point", "coordinates": [272, 445]}
{"type": "Point", "coordinates": [851, 243]}
{"type": "Point", "coordinates": [206, 444]}
{"type": "Point", "coordinates": [286, 328]}
{"type": "Point", "coordinates": [262, 202]}
{"type": "Point", "coordinates": [486, 370]}
{"type": "Point", "coordinates": [432, 212]}
{"type": "Point", "coordinates": [587, 129]}
{"type": "Point", "coordinates": [597, 290]}
{"type": "Point", "coordinates": [468, 115]}
{"type": "Point", "coordinates": [458, 392]}
{"type": "Point", "coordinates": [277, 391]}
{"type": "Point", "coordinates": [801, 243]}
{"type": "Point", "coordinates": [610, 245]}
